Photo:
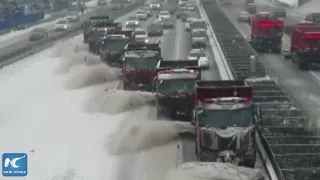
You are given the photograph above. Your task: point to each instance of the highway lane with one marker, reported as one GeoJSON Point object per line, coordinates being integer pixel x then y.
{"type": "Point", "coordinates": [21, 37]}
{"type": "Point", "coordinates": [304, 86]}
{"type": "Point", "coordinates": [155, 163]}
{"type": "Point", "coordinates": [22, 40]}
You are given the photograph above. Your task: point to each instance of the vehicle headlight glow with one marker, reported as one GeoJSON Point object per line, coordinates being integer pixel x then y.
{"type": "Point", "coordinates": [137, 22]}
{"type": "Point", "coordinates": [146, 40]}
{"type": "Point", "coordinates": [65, 26]}
{"type": "Point", "coordinates": [127, 22]}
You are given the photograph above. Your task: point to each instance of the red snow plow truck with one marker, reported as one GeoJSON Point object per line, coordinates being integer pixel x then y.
{"type": "Point", "coordinates": [225, 124]}
{"type": "Point", "coordinates": [305, 45]}
{"type": "Point", "coordinates": [266, 33]}
{"type": "Point", "coordinates": [175, 88]}
{"type": "Point", "coordinates": [139, 66]}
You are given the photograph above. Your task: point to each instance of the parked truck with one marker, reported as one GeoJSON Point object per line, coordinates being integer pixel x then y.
{"type": "Point", "coordinates": [139, 66]}
{"type": "Point", "coordinates": [175, 88]}
{"type": "Point", "coordinates": [305, 45]}
{"type": "Point", "coordinates": [266, 33]}
{"type": "Point", "coordinates": [225, 120]}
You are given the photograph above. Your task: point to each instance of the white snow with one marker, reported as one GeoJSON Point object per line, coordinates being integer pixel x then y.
{"type": "Point", "coordinates": [39, 114]}
{"type": "Point", "coordinates": [48, 25]}
{"type": "Point", "coordinates": [45, 118]}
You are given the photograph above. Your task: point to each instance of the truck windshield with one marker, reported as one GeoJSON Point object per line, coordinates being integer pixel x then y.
{"type": "Point", "coordinates": [142, 63]}
{"type": "Point", "coordinates": [171, 86]}
{"type": "Point", "coordinates": [113, 44]}
{"type": "Point", "coordinates": [226, 117]}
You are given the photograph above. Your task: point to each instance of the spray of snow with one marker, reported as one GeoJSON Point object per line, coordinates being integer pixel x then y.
{"type": "Point", "coordinates": [71, 54]}
{"type": "Point", "coordinates": [213, 171]}
{"type": "Point", "coordinates": [139, 135]}
{"type": "Point", "coordinates": [83, 76]}
{"type": "Point", "coordinates": [113, 101]}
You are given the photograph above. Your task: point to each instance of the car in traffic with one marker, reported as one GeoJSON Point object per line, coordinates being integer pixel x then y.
{"type": "Point", "coordinates": [62, 25]}
{"type": "Point", "coordinates": [38, 33]}
{"type": "Point", "coordinates": [73, 17]}
{"type": "Point", "coordinates": [147, 9]}
{"type": "Point", "coordinates": [140, 35]}
{"type": "Point", "coordinates": [167, 23]}
{"type": "Point", "coordinates": [200, 55]}
{"type": "Point", "coordinates": [188, 22]}
{"type": "Point", "coordinates": [164, 15]}
{"type": "Point", "coordinates": [190, 7]}
{"type": "Point", "coordinates": [132, 22]}
{"type": "Point", "coordinates": [244, 16]}
{"type": "Point", "coordinates": [313, 17]}
{"type": "Point", "coordinates": [198, 24]}
{"type": "Point", "coordinates": [155, 5]}
{"type": "Point", "coordinates": [183, 15]}
{"type": "Point", "coordinates": [198, 38]}
{"type": "Point", "coordinates": [142, 15]}
{"type": "Point", "coordinates": [155, 29]}
{"type": "Point", "coordinates": [102, 2]}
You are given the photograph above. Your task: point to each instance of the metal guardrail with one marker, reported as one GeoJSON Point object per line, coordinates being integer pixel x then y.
{"type": "Point", "coordinates": [293, 149]}
{"type": "Point", "coordinates": [34, 47]}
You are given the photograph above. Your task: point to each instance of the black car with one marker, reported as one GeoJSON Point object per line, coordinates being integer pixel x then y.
{"type": "Point", "coordinates": [38, 33]}
{"type": "Point", "coordinates": [313, 17]}
{"type": "Point", "coordinates": [155, 30]}
{"type": "Point", "coordinates": [167, 23]}
{"type": "Point", "coordinates": [182, 15]}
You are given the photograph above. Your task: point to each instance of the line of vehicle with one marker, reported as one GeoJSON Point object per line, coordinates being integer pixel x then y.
{"type": "Point", "coordinates": [34, 48]}
{"type": "Point", "coordinates": [224, 69]}
{"type": "Point", "coordinates": [226, 74]}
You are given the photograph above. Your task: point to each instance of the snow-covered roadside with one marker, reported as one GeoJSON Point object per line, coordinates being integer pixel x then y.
{"type": "Point", "coordinates": [43, 114]}
{"type": "Point", "coordinates": [47, 25]}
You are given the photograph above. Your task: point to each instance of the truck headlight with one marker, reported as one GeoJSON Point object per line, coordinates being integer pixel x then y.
{"type": "Point", "coordinates": [127, 23]}
{"type": "Point", "coordinates": [65, 26]}
{"type": "Point", "coordinates": [146, 40]}
{"type": "Point", "coordinates": [137, 22]}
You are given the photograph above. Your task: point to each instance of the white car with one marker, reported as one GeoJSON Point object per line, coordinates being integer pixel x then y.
{"type": "Point", "coordinates": [199, 38]}
{"type": "Point", "coordinates": [198, 54]}
{"type": "Point", "coordinates": [197, 24]}
{"type": "Point", "coordinates": [164, 15]}
{"type": "Point", "coordinates": [244, 16]}
{"type": "Point", "coordinates": [155, 5]}
{"type": "Point", "coordinates": [190, 7]}
{"type": "Point", "coordinates": [141, 35]}
{"type": "Point", "coordinates": [132, 22]}
{"type": "Point", "coordinates": [142, 15]}
{"type": "Point", "coordinates": [62, 25]}
{"type": "Point", "coordinates": [188, 23]}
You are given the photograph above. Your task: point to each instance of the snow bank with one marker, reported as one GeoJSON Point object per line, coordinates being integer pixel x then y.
{"type": "Point", "coordinates": [138, 135]}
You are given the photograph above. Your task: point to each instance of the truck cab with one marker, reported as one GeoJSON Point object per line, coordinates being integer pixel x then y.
{"type": "Point", "coordinates": [139, 66]}
{"type": "Point", "coordinates": [225, 122]}
{"type": "Point", "coordinates": [112, 47]}
{"type": "Point", "coordinates": [266, 33]}
{"type": "Point", "coordinates": [305, 45]}
{"type": "Point", "coordinates": [88, 25]}
{"type": "Point", "coordinates": [175, 88]}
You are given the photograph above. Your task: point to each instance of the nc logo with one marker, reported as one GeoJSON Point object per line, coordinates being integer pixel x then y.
{"type": "Point", "coordinates": [14, 164]}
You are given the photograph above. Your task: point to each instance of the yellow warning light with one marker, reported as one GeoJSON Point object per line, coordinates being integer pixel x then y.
{"type": "Point", "coordinates": [191, 70]}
